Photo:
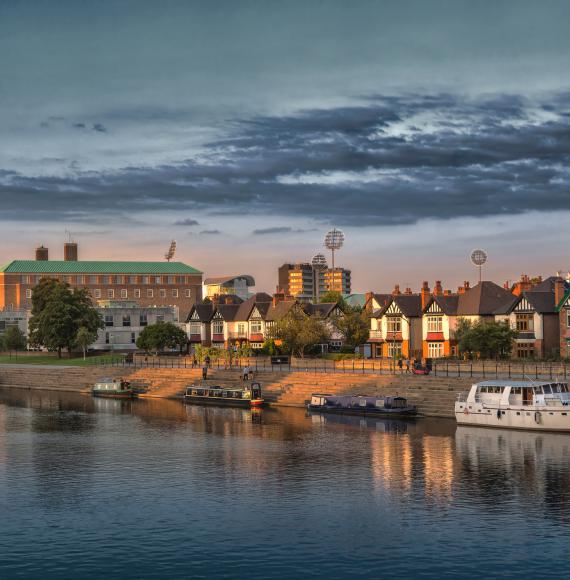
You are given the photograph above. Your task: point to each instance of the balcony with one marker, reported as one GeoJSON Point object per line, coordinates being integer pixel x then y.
{"type": "Point", "coordinates": [375, 335]}
{"type": "Point", "coordinates": [238, 335]}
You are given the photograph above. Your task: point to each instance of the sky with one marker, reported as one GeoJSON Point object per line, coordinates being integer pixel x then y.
{"type": "Point", "coordinates": [246, 129]}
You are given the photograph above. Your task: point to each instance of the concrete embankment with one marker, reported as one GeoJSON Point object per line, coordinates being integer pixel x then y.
{"type": "Point", "coordinates": [434, 396]}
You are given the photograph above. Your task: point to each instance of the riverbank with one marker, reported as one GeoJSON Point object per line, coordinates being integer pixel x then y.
{"type": "Point", "coordinates": [434, 396]}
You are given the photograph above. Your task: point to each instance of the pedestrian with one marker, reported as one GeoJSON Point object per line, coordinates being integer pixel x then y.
{"type": "Point", "coordinates": [205, 372]}
{"type": "Point", "coordinates": [194, 362]}
{"type": "Point", "coordinates": [400, 365]}
{"type": "Point", "coordinates": [407, 365]}
{"type": "Point", "coordinates": [245, 376]}
{"type": "Point", "coordinates": [207, 360]}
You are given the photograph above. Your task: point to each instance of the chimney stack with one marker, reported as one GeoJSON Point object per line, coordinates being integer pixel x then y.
{"type": "Point", "coordinates": [559, 291]}
{"type": "Point", "coordinates": [408, 291]}
{"type": "Point", "coordinates": [425, 294]}
{"type": "Point", "coordinates": [396, 290]}
{"type": "Point", "coordinates": [279, 296]}
{"type": "Point", "coordinates": [70, 252]}
{"type": "Point", "coordinates": [523, 285]}
{"type": "Point", "coordinates": [438, 290]}
{"type": "Point", "coordinates": [42, 254]}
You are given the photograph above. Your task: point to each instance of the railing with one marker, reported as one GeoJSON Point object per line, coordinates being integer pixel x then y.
{"type": "Point", "coordinates": [375, 334]}
{"type": "Point", "coordinates": [479, 370]}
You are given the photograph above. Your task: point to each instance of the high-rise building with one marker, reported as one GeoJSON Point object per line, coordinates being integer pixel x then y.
{"type": "Point", "coordinates": [338, 280]}
{"type": "Point", "coordinates": [297, 280]}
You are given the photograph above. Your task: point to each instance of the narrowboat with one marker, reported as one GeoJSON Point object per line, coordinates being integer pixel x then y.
{"type": "Point", "coordinates": [361, 405]}
{"type": "Point", "coordinates": [112, 388]}
{"type": "Point", "coordinates": [249, 396]}
{"type": "Point", "coordinates": [536, 405]}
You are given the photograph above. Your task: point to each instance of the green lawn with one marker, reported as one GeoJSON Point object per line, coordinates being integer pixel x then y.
{"type": "Point", "coordinates": [53, 360]}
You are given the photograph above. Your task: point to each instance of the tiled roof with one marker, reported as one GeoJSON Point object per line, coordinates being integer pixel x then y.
{"type": "Point", "coordinates": [280, 310]}
{"type": "Point", "coordinates": [448, 304]}
{"type": "Point", "coordinates": [323, 309]}
{"type": "Point", "coordinates": [542, 302]}
{"type": "Point", "coordinates": [228, 311]}
{"type": "Point", "coordinates": [484, 299]}
{"type": "Point", "coordinates": [96, 267]}
{"type": "Point", "coordinates": [205, 312]}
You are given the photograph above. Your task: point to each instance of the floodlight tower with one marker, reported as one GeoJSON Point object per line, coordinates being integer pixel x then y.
{"type": "Point", "coordinates": [319, 263]}
{"type": "Point", "coordinates": [478, 258]}
{"type": "Point", "coordinates": [334, 240]}
{"type": "Point", "coordinates": [171, 251]}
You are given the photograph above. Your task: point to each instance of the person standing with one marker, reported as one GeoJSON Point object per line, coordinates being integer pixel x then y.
{"type": "Point", "coordinates": [400, 365]}
{"type": "Point", "coordinates": [205, 371]}
{"type": "Point", "coordinates": [407, 366]}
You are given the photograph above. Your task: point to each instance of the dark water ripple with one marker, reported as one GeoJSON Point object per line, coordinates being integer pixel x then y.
{"type": "Point", "coordinates": [153, 489]}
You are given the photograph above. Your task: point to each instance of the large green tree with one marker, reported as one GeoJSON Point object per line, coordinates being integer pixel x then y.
{"type": "Point", "coordinates": [300, 332]}
{"type": "Point", "coordinates": [487, 338]}
{"type": "Point", "coordinates": [13, 339]}
{"type": "Point", "coordinates": [161, 336]}
{"type": "Point", "coordinates": [354, 325]}
{"type": "Point", "coordinates": [58, 313]}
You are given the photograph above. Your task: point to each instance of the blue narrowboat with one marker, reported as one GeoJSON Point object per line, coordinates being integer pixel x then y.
{"type": "Point", "coordinates": [361, 405]}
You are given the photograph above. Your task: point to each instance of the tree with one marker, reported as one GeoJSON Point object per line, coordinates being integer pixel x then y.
{"type": "Point", "coordinates": [488, 338]}
{"type": "Point", "coordinates": [299, 332]}
{"type": "Point", "coordinates": [14, 339]}
{"type": "Point", "coordinates": [84, 338]}
{"type": "Point", "coordinates": [161, 336]}
{"type": "Point", "coordinates": [332, 296]}
{"type": "Point", "coordinates": [58, 313]}
{"type": "Point", "coordinates": [354, 325]}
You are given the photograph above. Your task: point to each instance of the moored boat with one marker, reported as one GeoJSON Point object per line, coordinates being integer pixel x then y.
{"type": "Point", "coordinates": [536, 405]}
{"type": "Point", "coordinates": [112, 388]}
{"type": "Point", "coordinates": [361, 405]}
{"type": "Point", "coordinates": [249, 396]}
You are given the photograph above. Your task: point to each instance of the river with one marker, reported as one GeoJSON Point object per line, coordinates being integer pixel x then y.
{"type": "Point", "coordinates": [156, 489]}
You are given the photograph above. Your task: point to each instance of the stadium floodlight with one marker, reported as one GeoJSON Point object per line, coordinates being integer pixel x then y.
{"type": "Point", "coordinates": [478, 258]}
{"type": "Point", "coordinates": [171, 251]}
{"type": "Point", "coordinates": [334, 240]}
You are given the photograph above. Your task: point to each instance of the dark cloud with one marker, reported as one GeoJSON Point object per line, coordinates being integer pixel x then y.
{"type": "Point", "coordinates": [210, 232]}
{"type": "Point", "coordinates": [99, 127]}
{"type": "Point", "coordinates": [392, 160]}
{"type": "Point", "coordinates": [186, 222]}
{"type": "Point", "coordinates": [79, 125]}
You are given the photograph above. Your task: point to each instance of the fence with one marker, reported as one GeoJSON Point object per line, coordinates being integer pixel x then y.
{"type": "Point", "coordinates": [476, 369]}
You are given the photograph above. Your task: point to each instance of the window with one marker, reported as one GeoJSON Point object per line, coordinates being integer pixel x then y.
{"type": "Point", "coordinates": [435, 349]}
{"type": "Point", "coordinates": [137, 293]}
{"type": "Point", "coordinates": [126, 320]}
{"type": "Point", "coordinates": [241, 329]}
{"type": "Point", "coordinates": [525, 350]}
{"type": "Point", "coordinates": [256, 345]}
{"type": "Point", "coordinates": [255, 326]}
{"type": "Point", "coordinates": [160, 317]}
{"type": "Point", "coordinates": [143, 320]}
{"type": "Point", "coordinates": [158, 280]}
{"type": "Point", "coordinates": [145, 279]}
{"type": "Point", "coordinates": [92, 279]}
{"type": "Point", "coordinates": [170, 279]}
{"type": "Point", "coordinates": [435, 323]}
{"type": "Point", "coordinates": [195, 328]}
{"type": "Point", "coordinates": [174, 293]}
{"type": "Point", "coordinates": [394, 324]}
{"type": "Point", "coordinates": [28, 293]}
{"type": "Point", "coordinates": [162, 293]}
{"type": "Point", "coordinates": [394, 349]}
{"type": "Point", "coordinates": [149, 293]}
{"type": "Point", "coordinates": [568, 318]}
{"type": "Point", "coordinates": [124, 293]}
{"type": "Point", "coordinates": [218, 327]}
{"type": "Point", "coordinates": [524, 322]}
{"type": "Point", "coordinates": [105, 280]}
{"type": "Point", "coordinates": [188, 292]}
{"type": "Point", "coordinates": [107, 338]}
{"type": "Point", "coordinates": [108, 320]}
{"type": "Point", "coordinates": [132, 279]}
{"type": "Point", "coordinates": [97, 293]}
{"type": "Point", "coordinates": [133, 338]}
{"type": "Point", "coordinates": [110, 293]}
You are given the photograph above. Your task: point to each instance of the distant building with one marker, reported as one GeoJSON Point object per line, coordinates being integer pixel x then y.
{"type": "Point", "coordinates": [297, 280]}
{"type": "Point", "coordinates": [338, 280]}
{"type": "Point", "coordinates": [125, 320]}
{"type": "Point", "coordinates": [160, 284]}
{"type": "Point", "coordinates": [239, 285]}
{"type": "Point", "coordinates": [17, 318]}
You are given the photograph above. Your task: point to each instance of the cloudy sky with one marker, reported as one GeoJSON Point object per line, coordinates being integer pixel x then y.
{"type": "Point", "coordinates": [245, 129]}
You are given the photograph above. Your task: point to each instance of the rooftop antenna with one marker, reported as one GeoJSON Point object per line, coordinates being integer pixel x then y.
{"type": "Point", "coordinates": [478, 258]}
{"type": "Point", "coordinates": [334, 240]}
{"type": "Point", "coordinates": [171, 251]}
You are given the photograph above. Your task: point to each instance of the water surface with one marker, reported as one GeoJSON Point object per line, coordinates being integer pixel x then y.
{"type": "Point", "coordinates": [155, 489]}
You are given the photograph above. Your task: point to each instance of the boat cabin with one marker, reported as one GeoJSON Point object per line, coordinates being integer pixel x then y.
{"type": "Point", "coordinates": [252, 392]}
{"type": "Point", "coordinates": [519, 393]}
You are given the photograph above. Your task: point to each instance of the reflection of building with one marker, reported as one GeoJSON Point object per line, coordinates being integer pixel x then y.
{"type": "Point", "coordinates": [438, 467]}
{"type": "Point", "coordinates": [237, 285]}
{"type": "Point", "coordinates": [125, 320]}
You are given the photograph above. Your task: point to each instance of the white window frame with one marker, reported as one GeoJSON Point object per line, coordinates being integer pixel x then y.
{"type": "Point", "coordinates": [175, 293]}
{"type": "Point", "coordinates": [436, 350]}
{"type": "Point", "coordinates": [137, 293]}
{"type": "Point", "coordinates": [28, 292]}
{"type": "Point", "coordinates": [124, 293]}
{"type": "Point", "coordinates": [218, 327]}
{"type": "Point", "coordinates": [97, 293]}
{"type": "Point", "coordinates": [162, 293]}
{"type": "Point", "coordinates": [435, 323]}
{"type": "Point", "coordinates": [110, 293]}
{"type": "Point", "coordinates": [188, 293]}
{"type": "Point", "coordinates": [149, 293]}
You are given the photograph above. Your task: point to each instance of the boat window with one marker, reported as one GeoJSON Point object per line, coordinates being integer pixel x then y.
{"type": "Point", "coordinates": [564, 388]}
{"type": "Point", "coordinates": [518, 412]}
{"type": "Point", "coordinates": [565, 414]}
{"type": "Point", "coordinates": [516, 390]}
{"type": "Point", "coordinates": [483, 390]}
{"type": "Point", "coordinates": [547, 389]}
{"type": "Point", "coordinates": [538, 390]}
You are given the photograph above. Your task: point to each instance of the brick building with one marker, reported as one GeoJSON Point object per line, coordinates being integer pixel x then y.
{"type": "Point", "coordinates": [147, 283]}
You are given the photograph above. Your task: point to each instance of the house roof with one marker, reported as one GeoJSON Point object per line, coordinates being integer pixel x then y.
{"type": "Point", "coordinates": [279, 310]}
{"type": "Point", "coordinates": [258, 299]}
{"type": "Point", "coordinates": [324, 309]}
{"type": "Point", "coordinates": [448, 304]}
{"type": "Point", "coordinates": [205, 312]}
{"type": "Point", "coordinates": [228, 311]}
{"type": "Point", "coordinates": [548, 284]}
{"type": "Point", "coordinates": [382, 299]}
{"type": "Point", "coordinates": [410, 305]}
{"type": "Point", "coordinates": [541, 302]}
{"type": "Point", "coordinates": [96, 267]}
{"type": "Point", "coordinates": [483, 299]}
{"type": "Point", "coordinates": [226, 279]}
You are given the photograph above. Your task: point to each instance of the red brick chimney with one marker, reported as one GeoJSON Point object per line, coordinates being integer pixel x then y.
{"type": "Point", "coordinates": [425, 294]}
{"type": "Point", "coordinates": [229, 300]}
{"type": "Point", "coordinates": [559, 291]}
{"type": "Point", "coordinates": [279, 296]}
{"type": "Point", "coordinates": [447, 292]}
{"type": "Point", "coordinates": [438, 289]}
{"type": "Point", "coordinates": [368, 300]}
{"type": "Point", "coordinates": [523, 285]}
{"type": "Point", "coordinates": [396, 290]}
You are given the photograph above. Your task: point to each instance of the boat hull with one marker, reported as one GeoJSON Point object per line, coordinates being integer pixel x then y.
{"type": "Point", "coordinates": [111, 395]}
{"type": "Point", "coordinates": [516, 418]}
{"type": "Point", "coordinates": [394, 413]}
{"type": "Point", "coordinates": [224, 402]}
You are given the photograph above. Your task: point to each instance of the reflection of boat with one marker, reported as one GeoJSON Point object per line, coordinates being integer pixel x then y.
{"type": "Point", "coordinates": [516, 404]}
{"type": "Point", "coordinates": [112, 388]}
{"type": "Point", "coordinates": [377, 423]}
{"type": "Point", "coordinates": [249, 396]}
{"type": "Point", "coordinates": [362, 405]}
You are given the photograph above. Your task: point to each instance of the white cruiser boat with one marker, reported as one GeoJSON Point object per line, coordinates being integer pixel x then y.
{"type": "Point", "coordinates": [516, 405]}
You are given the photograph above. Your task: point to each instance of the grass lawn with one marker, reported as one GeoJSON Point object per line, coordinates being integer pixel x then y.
{"type": "Point", "coordinates": [53, 360]}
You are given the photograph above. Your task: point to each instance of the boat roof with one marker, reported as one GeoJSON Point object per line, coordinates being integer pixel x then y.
{"type": "Point", "coordinates": [518, 383]}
